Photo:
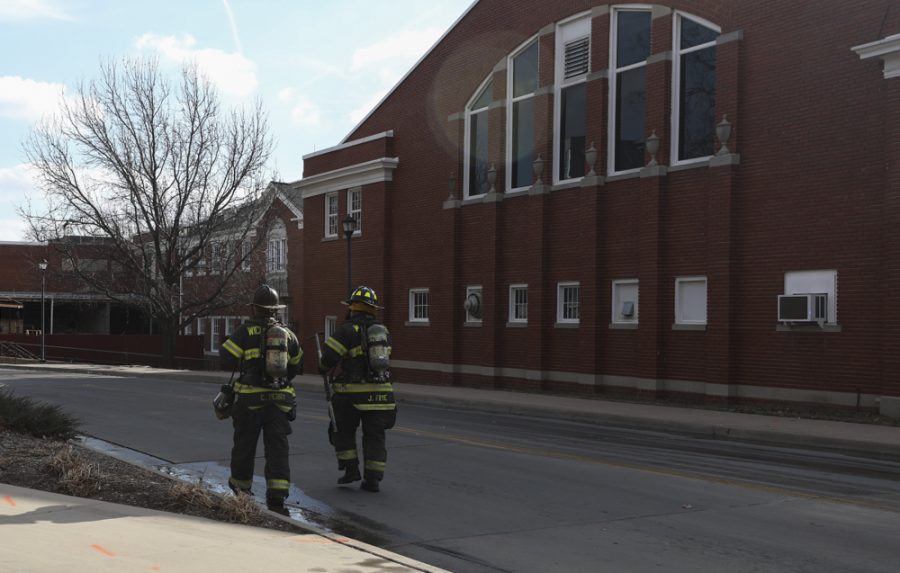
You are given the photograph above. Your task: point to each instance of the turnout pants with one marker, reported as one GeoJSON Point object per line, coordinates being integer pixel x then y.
{"type": "Point", "coordinates": [275, 428]}
{"type": "Point", "coordinates": [374, 424]}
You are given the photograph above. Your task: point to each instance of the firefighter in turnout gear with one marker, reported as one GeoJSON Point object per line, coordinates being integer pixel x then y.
{"type": "Point", "coordinates": [268, 356]}
{"type": "Point", "coordinates": [362, 389]}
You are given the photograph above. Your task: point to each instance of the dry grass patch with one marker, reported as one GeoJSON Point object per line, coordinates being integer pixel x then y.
{"type": "Point", "coordinates": [75, 475]}
{"type": "Point", "coordinates": [232, 509]}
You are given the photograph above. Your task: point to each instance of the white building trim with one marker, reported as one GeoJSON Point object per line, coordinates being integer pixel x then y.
{"type": "Point", "coordinates": [888, 49]}
{"type": "Point", "coordinates": [375, 171]}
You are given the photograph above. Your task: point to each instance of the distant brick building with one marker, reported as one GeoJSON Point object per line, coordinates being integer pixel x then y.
{"type": "Point", "coordinates": [582, 196]}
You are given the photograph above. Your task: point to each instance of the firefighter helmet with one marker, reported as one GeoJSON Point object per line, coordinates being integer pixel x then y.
{"type": "Point", "coordinates": [364, 295]}
{"type": "Point", "coordinates": [266, 298]}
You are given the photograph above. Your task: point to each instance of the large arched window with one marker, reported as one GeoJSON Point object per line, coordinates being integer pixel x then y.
{"type": "Point", "coordinates": [523, 83]}
{"type": "Point", "coordinates": [629, 50]}
{"type": "Point", "coordinates": [694, 88]}
{"type": "Point", "coordinates": [573, 51]}
{"type": "Point", "coordinates": [476, 158]}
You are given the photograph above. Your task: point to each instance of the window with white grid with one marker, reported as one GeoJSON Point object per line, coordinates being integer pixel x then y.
{"type": "Point", "coordinates": [330, 326]}
{"type": "Point", "coordinates": [418, 305]}
{"type": "Point", "coordinates": [354, 208]}
{"type": "Point", "coordinates": [518, 303]}
{"type": "Point", "coordinates": [331, 215]}
{"type": "Point", "coordinates": [567, 305]}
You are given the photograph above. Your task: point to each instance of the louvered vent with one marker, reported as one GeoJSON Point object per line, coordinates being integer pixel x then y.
{"type": "Point", "coordinates": [577, 57]}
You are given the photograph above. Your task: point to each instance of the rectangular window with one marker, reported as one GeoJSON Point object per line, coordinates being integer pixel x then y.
{"type": "Point", "coordinates": [573, 44]}
{"type": "Point", "coordinates": [524, 82]}
{"type": "Point", "coordinates": [331, 215]}
{"type": "Point", "coordinates": [625, 301]}
{"type": "Point", "coordinates": [695, 90]}
{"type": "Point", "coordinates": [277, 255]}
{"type": "Point", "coordinates": [418, 305]}
{"type": "Point", "coordinates": [354, 208]}
{"type": "Point", "coordinates": [518, 303]}
{"type": "Point", "coordinates": [201, 326]}
{"type": "Point", "coordinates": [214, 338]}
{"type": "Point", "coordinates": [216, 257]}
{"type": "Point", "coordinates": [567, 306]}
{"type": "Point", "coordinates": [628, 102]}
{"type": "Point", "coordinates": [187, 329]}
{"type": "Point", "coordinates": [229, 325]}
{"type": "Point", "coordinates": [246, 249]}
{"type": "Point", "coordinates": [690, 300]}
{"type": "Point", "coordinates": [477, 165]}
{"type": "Point", "coordinates": [330, 326]}
{"type": "Point", "coordinates": [803, 282]}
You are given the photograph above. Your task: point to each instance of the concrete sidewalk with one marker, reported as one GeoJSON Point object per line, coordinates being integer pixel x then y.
{"type": "Point", "coordinates": [47, 532]}
{"type": "Point", "coordinates": [89, 535]}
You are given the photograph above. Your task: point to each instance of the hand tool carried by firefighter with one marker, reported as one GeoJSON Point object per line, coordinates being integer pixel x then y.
{"type": "Point", "coordinates": [332, 427]}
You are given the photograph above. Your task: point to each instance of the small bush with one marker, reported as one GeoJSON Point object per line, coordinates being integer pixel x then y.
{"type": "Point", "coordinates": [76, 476]}
{"type": "Point", "coordinates": [24, 415]}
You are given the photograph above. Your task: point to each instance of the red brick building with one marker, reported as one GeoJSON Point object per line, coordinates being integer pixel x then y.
{"type": "Point", "coordinates": [622, 193]}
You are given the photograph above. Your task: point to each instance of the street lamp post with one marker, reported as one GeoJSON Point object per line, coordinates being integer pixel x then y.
{"type": "Point", "coordinates": [43, 266]}
{"type": "Point", "coordinates": [349, 224]}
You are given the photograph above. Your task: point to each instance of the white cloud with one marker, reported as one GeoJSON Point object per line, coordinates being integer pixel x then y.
{"type": "Point", "coordinates": [401, 49]}
{"type": "Point", "coordinates": [17, 184]}
{"type": "Point", "coordinates": [27, 100]}
{"type": "Point", "coordinates": [233, 73]}
{"type": "Point", "coordinates": [303, 111]}
{"type": "Point", "coordinates": [17, 10]}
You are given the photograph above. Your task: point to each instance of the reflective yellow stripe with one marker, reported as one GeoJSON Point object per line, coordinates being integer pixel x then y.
{"type": "Point", "coordinates": [241, 388]}
{"type": "Point", "coordinates": [251, 353]}
{"type": "Point", "coordinates": [233, 348]}
{"type": "Point", "coordinates": [356, 351]}
{"type": "Point", "coordinates": [336, 346]}
{"type": "Point", "coordinates": [278, 484]}
{"type": "Point", "coordinates": [346, 455]}
{"type": "Point", "coordinates": [373, 465]}
{"type": "Point", "coordinates": [240, 483]}
{"type": "Point", "coordinates": [296, 359]}
{"type": "Point", "coordinates": [343, 387]}
{"type": "Point", "coordinates": [374, 407]}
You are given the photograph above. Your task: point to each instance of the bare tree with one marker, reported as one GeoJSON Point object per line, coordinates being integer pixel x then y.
{"type": "Point", "coordinates": [158, 179]}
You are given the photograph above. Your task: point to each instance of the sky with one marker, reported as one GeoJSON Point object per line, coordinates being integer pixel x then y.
{"type": "Point", "coordinates": [317, 67]}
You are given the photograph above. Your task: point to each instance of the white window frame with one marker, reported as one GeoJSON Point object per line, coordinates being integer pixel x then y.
{"type": "Point", "coordinates": [815, 281]}
{"type": "Point", "coordinates": [613, 80]}
{"type": "Point", "coordinates": [201, 326]}
{"type": "Point", "coordinates": [229, 325]}
{"type": "Point", "coordinates": [677, 52]}
{"type": "Point", "coordinates": [510, 101]}
{"type": "Point", "coordinates": [467, 154]}
{"type": "Point", "coordinates": [681, 284]}
{"type": "Point", "coordinates": [513, 304]}
{"type": "Point", "coordinates": [620, 295]}
{"type": "Point", "coordinates": [560, 302]}
{"type": "Point", "coordinates": [355, 196]}
{"type": "Point", "coordinates": [188, 330]}
{"type": "Point", "coordinates": [214, 333]}
{"type": "Point", "coordinates": [479, 291]}
{"type": "Point", "coordinates": [568, 30]}
{"type": "Point", "coordinates": [413, 306]}
{"type": "Point", "coordinates": [330, 326]}
{"type": "Point", "coordinates": [332, 225]}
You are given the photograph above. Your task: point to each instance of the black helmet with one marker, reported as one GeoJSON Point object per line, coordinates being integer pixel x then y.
{"type": "Point", "coordinates": [266, 298]}
{"type": "Point", "coordinates": [364, 295]}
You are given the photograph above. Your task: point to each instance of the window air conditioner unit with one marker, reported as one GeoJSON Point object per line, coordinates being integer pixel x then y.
{"type": "Point", "coordinates": [806, 307]}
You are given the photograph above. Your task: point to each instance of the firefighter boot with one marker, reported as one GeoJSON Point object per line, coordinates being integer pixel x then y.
{"type": "Point", "coordinates": [276, 504]}
{"type": "Point", "coordinates": [351, 474]}
{"type": "Point", "coordinates": [370, 483]}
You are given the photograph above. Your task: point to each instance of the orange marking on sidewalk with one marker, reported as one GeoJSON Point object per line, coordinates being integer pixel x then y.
{"type": "Point", "coordinates": [103, 550]}
{"type": "Point", "coordinates": [320, 540]}
{"type": "Point", "coordinates": [155, 568]}
{"type": "Point", "coordinates": [8, 500]}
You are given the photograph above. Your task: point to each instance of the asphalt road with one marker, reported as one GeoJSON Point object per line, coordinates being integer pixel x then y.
{"type": "Point", "coordinates": [477, 492]}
